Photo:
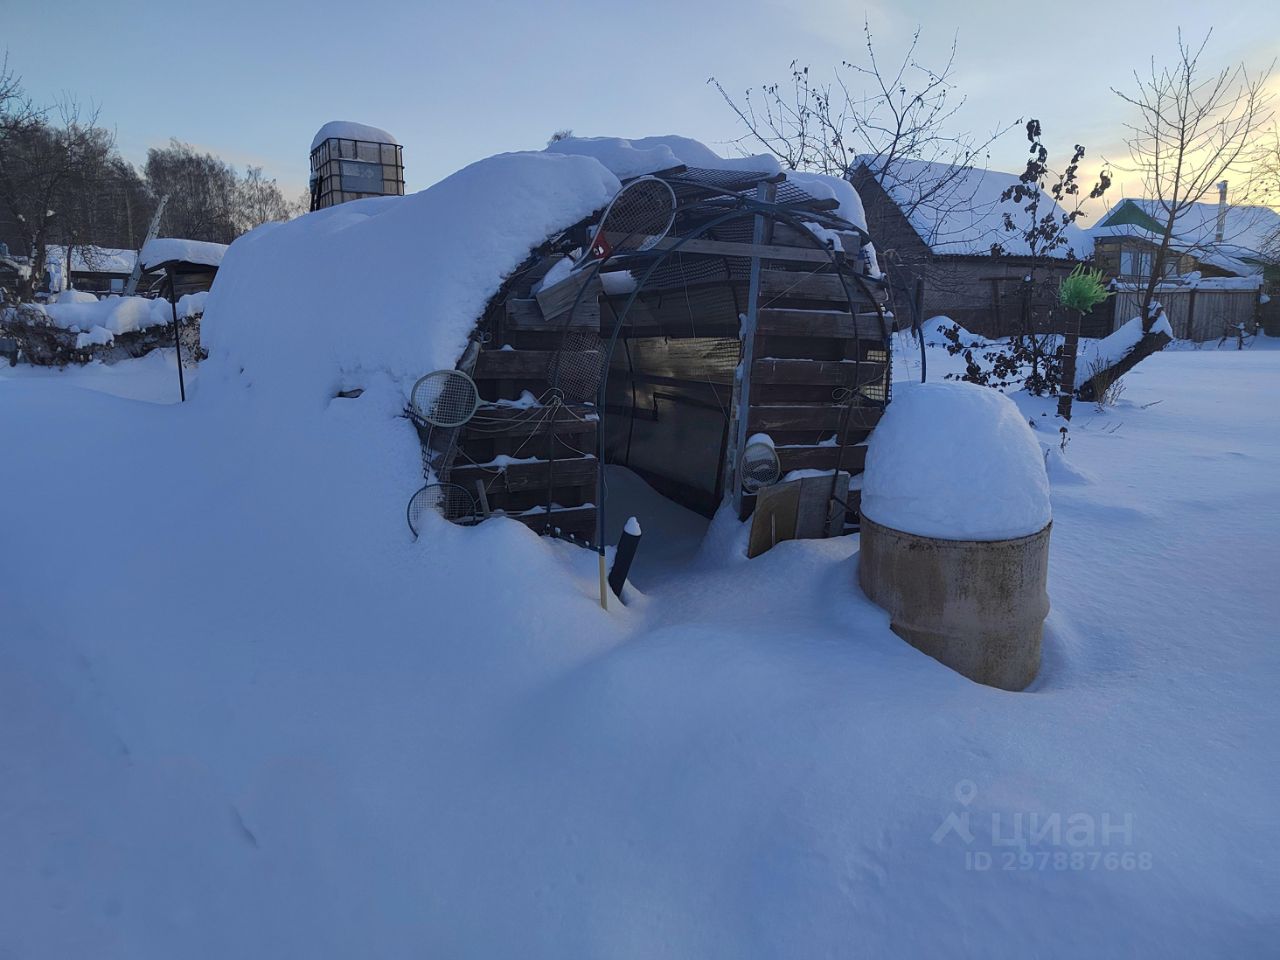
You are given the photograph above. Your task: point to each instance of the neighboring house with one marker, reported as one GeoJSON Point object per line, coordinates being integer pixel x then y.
{"type": "Point", "coordinates": [1221, 274]}
{"type": "Point", "coordinates": [942, 239]}
{"type": "Point", "coordinates": [1212, 239]}
{"type": "Point", "coordinates": [93, 269]}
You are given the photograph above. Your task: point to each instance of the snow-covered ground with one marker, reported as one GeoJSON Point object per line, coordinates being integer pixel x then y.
{"type": "Point", "coordinates": [243, 714]}
{"type": "Point", "coordinates": [153, 377]}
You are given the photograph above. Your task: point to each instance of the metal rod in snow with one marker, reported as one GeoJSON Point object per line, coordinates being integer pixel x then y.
{"type": "Point", "coordinates": [177, 341]}
{"type": "Point", "coordinates": [743, 406]}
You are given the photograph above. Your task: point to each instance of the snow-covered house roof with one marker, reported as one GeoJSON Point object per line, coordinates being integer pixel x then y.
{"type": "Point", "coordinates": [161, 250]}
{"type": "Point", "coordinates": [957, 211]}
{"type": "Point", "coordinates": [350, 130]}
{"type": "Point", "coordinates": [1247, 232]}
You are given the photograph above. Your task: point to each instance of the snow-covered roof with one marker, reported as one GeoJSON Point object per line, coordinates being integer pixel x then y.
{"type": "Point", "coordinates": [389, 288]}
{"type": "Point", "coordinates": [166, 249]}
{"type": "Point", "coordinates": [386, 289]}
{"type": "Point", "coordinates": [634, 158]}
{"type": "Point", "coordinates": [91, 259]}
{"type": "Point", "coordinates": [1247, 229]}
{"type": "Point", "coordinates": [1247, 232]}
{"type": "Point", "coordinates": [966, 216]}
{"type": "Point", "coordinates": [350, 130]}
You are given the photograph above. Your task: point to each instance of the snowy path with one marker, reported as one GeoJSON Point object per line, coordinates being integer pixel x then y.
{"type": "Point", "coordinates": [233, 696]}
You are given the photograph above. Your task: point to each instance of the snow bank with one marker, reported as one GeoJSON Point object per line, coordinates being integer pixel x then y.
{"type": "Point", "coordinates": [74, 296]}
{"type": "Point", "coordinates": [100, 321]}
{"type": "Point", "coordinates": [350, 130]}
{"type": "Point", "coordinates": [1111, 349]}
{"type": "Point", "coordinates": [164, 249]}
{"type": "Point", "coordinates": [955, 461]}
{"type": "Point", "coordinates": [752, 766]}
{"type": "Point", "coordinates": [634, 158]}
{"type": "Point", "coordinates": [934, 332]}
{"type": "Point", "coordinates": [390, 284]}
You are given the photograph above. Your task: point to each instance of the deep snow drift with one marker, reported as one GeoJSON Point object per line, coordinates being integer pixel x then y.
{"type": "Point", "coordinates": [100, 321]}
{"type": "Point", "coordinates": [242, 714]}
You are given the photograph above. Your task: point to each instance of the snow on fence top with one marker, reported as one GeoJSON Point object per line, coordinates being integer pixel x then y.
{"type": "Point", "coordinates": [1193, 281]}
{"type": "Point", "coordinates": [386, 285]}
{"type": "Point", "coordinates": [349, 130]}
{"type": "Point", "coordinates": [955, 461]}
{"type": "Point", "coordinates": [165, 249]}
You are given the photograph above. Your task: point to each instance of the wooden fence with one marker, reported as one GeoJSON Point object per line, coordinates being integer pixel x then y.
{"type": "Point", "coordinates": [1194, 314]}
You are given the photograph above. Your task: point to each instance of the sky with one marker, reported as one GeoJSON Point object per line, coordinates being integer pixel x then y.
{"type": "Point", "coordinates": [455, 82]}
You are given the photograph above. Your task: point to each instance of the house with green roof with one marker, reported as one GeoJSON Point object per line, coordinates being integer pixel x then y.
{"type": "Point", "coordinates": [1212, 239]}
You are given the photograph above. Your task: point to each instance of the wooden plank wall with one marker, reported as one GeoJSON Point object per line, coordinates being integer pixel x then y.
{"type": "Point", "coordinates": [670, 388]}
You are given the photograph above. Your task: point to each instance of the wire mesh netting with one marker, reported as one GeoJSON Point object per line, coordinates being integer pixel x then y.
{"type": "Point", "coordinates": [451, 501]}
{"type": "Point", "coordinates": [444, 398]}
{"type": "Point", "coordinates": [576, 368]}
{"type": "Point", "coordinates": [760, 466]}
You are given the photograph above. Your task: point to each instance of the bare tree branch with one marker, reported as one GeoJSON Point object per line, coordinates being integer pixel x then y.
{"type": "Point", "coordinates": [1192, 129]}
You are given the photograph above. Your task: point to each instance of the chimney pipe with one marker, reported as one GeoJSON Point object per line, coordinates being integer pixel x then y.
{"type": "Point", "coordinates": [1222, 212]}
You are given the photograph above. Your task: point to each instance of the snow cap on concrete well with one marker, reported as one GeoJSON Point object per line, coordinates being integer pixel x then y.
{"type": "Point", "coordinates": [955, 461]}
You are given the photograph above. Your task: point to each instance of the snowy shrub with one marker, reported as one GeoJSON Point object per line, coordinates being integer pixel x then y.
{"type": "Point", "coordinates": [1109, 389]}
{"type": "Point", "coordinates": [1018, 362]}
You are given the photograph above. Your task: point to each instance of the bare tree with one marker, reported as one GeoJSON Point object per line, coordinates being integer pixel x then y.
{"type": "Point", "coordinates": [1193, 129]}
{"type": "Point", "coordinates": [259, 200]}
{"type": "Point", "coordinates": [893, 119]}
{"type": "Point", "coordinates": [884, 120]}
{"type": "Point", "coordinates": [1269, 189]}
{"type": "Point", "coordinates": [45, 165]}
{"type": "Point", "coordinates": [203, 192]}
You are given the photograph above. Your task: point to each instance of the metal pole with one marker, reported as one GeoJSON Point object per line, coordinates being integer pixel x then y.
{"type": "Point", "coordinates": [177, 342]}
{"type": "Point", "coordinates": [743, 405]}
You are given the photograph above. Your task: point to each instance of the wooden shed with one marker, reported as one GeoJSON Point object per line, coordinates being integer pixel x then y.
{"type": "Point", "coordinates": [756, 314]}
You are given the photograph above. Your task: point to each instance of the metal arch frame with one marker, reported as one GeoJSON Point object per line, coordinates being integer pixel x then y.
{"type": "Point", "coordinates": [743, 207]}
